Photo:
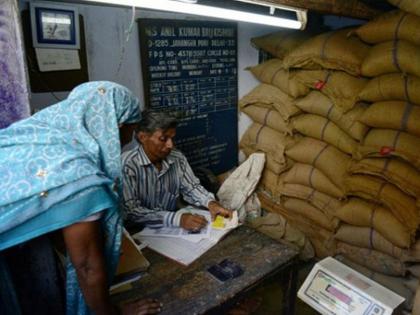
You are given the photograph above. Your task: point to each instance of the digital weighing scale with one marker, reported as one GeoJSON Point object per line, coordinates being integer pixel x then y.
{"type": "Point", "coordinates": [332, 288]}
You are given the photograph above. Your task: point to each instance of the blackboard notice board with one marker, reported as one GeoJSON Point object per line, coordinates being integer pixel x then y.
{"type": "Point", "coordinates": [190, 69]}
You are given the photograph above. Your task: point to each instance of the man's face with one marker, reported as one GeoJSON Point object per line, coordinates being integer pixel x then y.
{"type": "Point", "coordinates": [158, 144]}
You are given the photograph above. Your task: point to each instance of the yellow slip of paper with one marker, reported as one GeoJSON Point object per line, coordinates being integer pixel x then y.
{"type": "Point", "coordinates": [222, 223]}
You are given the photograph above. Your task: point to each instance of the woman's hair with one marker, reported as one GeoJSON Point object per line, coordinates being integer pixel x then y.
{"type": "Point", "coordinates": [152, 121]}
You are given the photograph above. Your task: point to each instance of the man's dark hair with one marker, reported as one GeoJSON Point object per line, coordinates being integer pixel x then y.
{"type": "Point", "coordinates": [152, 121]}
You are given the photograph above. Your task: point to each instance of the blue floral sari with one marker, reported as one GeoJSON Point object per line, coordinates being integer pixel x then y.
{"type": "Point", "coordinates": [62, 165]}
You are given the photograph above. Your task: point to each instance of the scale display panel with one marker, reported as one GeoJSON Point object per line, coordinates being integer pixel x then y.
{"type": "Point", "coordinates": [333, 288]}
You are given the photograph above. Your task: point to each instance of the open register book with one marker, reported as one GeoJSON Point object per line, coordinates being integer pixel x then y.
{"type": "Point", "coordinates": [180, 246]}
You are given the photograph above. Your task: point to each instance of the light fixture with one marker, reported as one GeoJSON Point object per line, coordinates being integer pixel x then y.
{"type": "Point", "coordinates": [193, 7]}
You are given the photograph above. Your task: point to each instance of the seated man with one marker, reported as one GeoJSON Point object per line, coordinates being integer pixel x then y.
{"type": "Point", "coordinates": [155, 174]}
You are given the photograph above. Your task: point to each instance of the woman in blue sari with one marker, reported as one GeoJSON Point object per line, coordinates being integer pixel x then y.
{"type": "Point", "coordinates": [60, 169]}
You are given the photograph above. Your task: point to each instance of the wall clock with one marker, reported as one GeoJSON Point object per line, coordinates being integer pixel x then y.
{"type": "Point", "coordinates": [54, 26]}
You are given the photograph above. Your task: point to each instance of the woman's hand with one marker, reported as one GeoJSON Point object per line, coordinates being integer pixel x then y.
{"type": "Point", "coordinates": [141, 307]}
{"type": "Point", "coordinates": [193, 222]}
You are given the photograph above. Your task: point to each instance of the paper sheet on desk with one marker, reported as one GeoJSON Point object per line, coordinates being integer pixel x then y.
{"type": "Point", "coordinates": [177, 232]}
{"type": "Point", "coordinates": [179, 249]}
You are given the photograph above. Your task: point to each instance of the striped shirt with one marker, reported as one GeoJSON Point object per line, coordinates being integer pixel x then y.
{"type": "Point", "coordinates": [150, 195]}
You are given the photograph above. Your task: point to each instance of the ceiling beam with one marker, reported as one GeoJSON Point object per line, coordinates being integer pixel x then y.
{"type": "Point", "coordinates": [349, 8]}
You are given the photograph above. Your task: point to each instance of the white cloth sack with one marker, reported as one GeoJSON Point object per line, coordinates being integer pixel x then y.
{"type": "Point", "coordinates": [236, 192]}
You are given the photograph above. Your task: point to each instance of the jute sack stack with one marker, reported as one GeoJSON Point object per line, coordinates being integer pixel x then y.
{"type": "Point", "coordinates": [263, 138]}
{"type": "Point", "coordinates": [367, 237]}
{"type": "Point", "coordinates": [277, 227]}
{"type": "Point", "coordinates": [265, 95]}
{"type": "Point", "coordinates": [307, 175]}
{"type": "Point", "coordinates": [402, 206]}
{"type": "Point", "coordinates": [391, 26]}
{"type": "Point", "coordinates": [319, 104]}
{"type": "Point", "coordinates": [397, 115]}
{"type": "Point", "coordinates": [372, 259]}
{"type": "Point", "coordinates": [362, 213]}
{"type": "Point", "coordinates": [332, 50]}
{"type": "Point", "coordinates": [270, 183]}
{"type": "Point", "coordinates": [394, 86]}
{"type": "Point", "coordinates": [269, 117]}
{"type": "Point", "coordinates": [321, 239]}
{"type": "Point", "coordinates": [387, 142]}
{"type": "Point", "coordinates": [305, 209]}
{"type": "Point", "coordinates": [329, 160]}
{"type": "Point", "coordinates": [270, 162]}
{"type": "Point", "coordinates": [318, 127]}
{"type": "Point", "coordinates": [395, 171]}
{"type": "Point", "coordinates": [393, 56]}
{"type": "Point", "coordinates": [280, 43]}
{"type": "Point", "coordinates": [323, 202]}
{"type": "Point", "coordinates": [412, 6]}
{"type": "Point", "coordinates": [272, 72]}
{"type": "Point", "coordinates": [396, 284]}
{"type": "Point", "coordinates": [342, 88]}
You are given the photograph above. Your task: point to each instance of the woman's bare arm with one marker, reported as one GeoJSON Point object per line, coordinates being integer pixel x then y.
{"type": "Point", "coordinates": [85, 247]}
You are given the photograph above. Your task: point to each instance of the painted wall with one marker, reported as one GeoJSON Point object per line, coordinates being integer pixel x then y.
{"type": "Point", "coordinates": [105, 29]}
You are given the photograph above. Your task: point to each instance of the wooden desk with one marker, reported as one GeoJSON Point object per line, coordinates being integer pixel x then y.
{"type": "Point", "coordinates": [191, 290]}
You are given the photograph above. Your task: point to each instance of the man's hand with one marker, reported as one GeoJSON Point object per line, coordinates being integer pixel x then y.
{"type": "Point", "coordinates": [193, 222]}
{"type": "Point", "coordinates": [216, 209]}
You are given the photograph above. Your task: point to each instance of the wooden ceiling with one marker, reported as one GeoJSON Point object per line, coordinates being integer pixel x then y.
{"type": "Point", "coordinates": [360, 9]}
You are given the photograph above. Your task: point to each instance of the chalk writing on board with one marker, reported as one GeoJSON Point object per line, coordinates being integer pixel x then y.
{"type": "Point", "coordinates": [190, 69]}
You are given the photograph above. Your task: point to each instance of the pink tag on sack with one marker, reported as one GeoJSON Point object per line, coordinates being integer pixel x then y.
{"type": "Point", "coordinates": [386, 150]}
{"type": "Point", "coordinates": [319, 85]}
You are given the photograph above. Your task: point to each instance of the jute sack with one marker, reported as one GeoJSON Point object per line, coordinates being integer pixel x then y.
{"type": "Point", "coordinates": [402, 206]}
{"type": "Point", "coordinates": [342, 88]}
{"type": "Point", "coordinates": [367, 237]}
{"type": "Point", "coordinates": [322, 239]}
{"type": "Point", "coordinates": [393, 56]}
{"type": "Point", "coordinates": [269, 117]}
{"type": "Point", "coordinates": [412, 6]}
{"type": "Point", "coordinates": [270, 162]}
{"type": "Point", "coordinates": [394, 86]}
{"type": "Point", "coordinates": [396, 171]}
{"type": "Point", "coordinates": [276, 227]}
{"type": "Point", "coordinates": [266, 95]}
{"type": "Point", "coordinates": [323, 202]}
{"type": "Point", "coordinates": [362, 213]}
{"type": "Point", "coordinates": [305, 209]}
{"type": "Point", "coordinates": [271, 183]}
{"type": "Point", "coordinates": [319, 104]}
{"type": "Point", "coordinates": [393, 115]}
{"type": "Point", "coordinates": [329, 160]}
{"type": "Point", "coordinates": [318, 127]}
{"type": "Point", "coordinates": [272, 72]}
{"type": "Point", "coordinates": [391, 26]}
{"type": "Point", "coordinates": [396, 284]}
{"type": "Point", "coordinates": [372, 259]}
{"type": "Point", "coordinates": [386, 142]}
{"type": "Point", "coordinates": [332, 50]}
{"type": "Point", "coordinates": [263, 138]}
{"type": "Point", "coordinates": [280, 43]}
{"type": "Point", "coordinates": [307, 175]}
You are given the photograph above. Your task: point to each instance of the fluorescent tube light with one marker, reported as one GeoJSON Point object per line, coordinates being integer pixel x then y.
{"type": "Point", "coordinates": [205, 10]}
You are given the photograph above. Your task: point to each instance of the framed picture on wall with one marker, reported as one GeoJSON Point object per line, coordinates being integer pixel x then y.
{"type": "Point", "coordinates": [54, 26]}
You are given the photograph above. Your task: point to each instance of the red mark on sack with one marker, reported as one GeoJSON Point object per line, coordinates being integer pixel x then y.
{"type": "Point", "coordinates": [386, 150]}
{"type": "Point", "coordinates": [319, 85]}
